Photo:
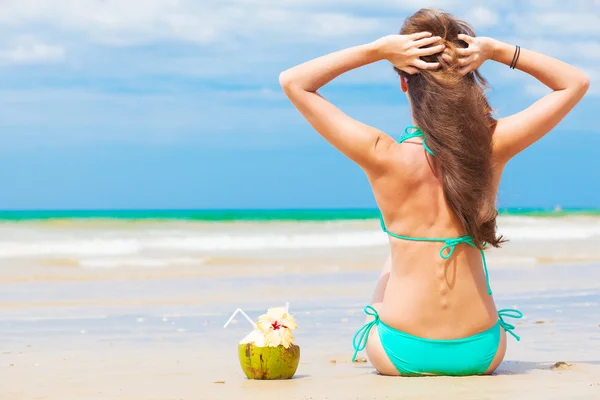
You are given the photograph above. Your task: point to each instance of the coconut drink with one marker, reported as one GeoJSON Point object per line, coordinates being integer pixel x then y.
{"type": "Point", "coordinates": [269, 351]}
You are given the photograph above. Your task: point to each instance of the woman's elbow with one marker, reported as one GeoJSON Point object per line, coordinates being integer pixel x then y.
{"type": "Point", "coordinates": [585, 82]}
{"type": "Point", "coordinates": [285, 80]}
{"type": "Point", "coordinates": [582, 82]}
{"type": "Point", "coordinates": [289, 84]}
{"type": "Point", "coordinates": [578, 84]}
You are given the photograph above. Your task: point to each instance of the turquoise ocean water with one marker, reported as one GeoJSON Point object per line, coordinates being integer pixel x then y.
{"type": "Point", "coordinates": [188, 238]}
{"type": "Point", "coordinates": [248, 215]}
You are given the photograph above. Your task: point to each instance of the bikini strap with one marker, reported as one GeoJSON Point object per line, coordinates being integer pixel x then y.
{"type": "Point", "coordinates": [362, 336]}
{"type": "Point", "coordinates": [416, 132]}
{"type": "Point", "coordinates": [510, 313]}
{"type": "Point", "coordinates": [468, 240]}
{"type": "Point", "coordinates": [448, 249]}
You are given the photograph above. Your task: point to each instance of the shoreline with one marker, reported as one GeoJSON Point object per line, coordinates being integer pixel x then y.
{"type": "Point", "coordinates": [254, 215]}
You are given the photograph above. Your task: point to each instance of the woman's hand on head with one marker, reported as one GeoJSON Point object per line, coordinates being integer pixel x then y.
{"type": "Point", "coordinates": [405, 51]}
{"type": "Point", "coordinates": [480, 50]}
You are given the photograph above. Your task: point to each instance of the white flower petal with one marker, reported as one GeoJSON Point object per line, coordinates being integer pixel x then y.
{"type": "Point", "coordinates": [278, 337]}
{"type": "Point", "coordinates": [265, 323]}
{"type": "Point", "coordinates": [282, 316]}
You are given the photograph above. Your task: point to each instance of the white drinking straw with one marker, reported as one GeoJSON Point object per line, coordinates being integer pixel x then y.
{"type": "Point", "coordinates": [239, 310]}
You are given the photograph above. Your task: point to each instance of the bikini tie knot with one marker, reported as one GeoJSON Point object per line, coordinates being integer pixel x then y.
{"type": "Point", "coordinates": [362, 336]}
{"type": "Point", "coordinates": [510, 313]}
{"type": "Point", "coordinates": [450, 245]}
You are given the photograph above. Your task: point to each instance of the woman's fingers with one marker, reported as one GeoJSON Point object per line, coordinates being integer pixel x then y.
{"type": "Point", "coordinates": [466, 60]}
{"type": "Point", "coordinates": [462, 61]}
{"type": "Point", "coordinates": [427, 51]}
{"type": "Point", "coordinates": [425, 65]}
{"type": "Point", "coordinates": [419, 35]}
{"type": "Point", "coordinates": [427, 41]}
{"type": "Point", "coordinates": [465, 52]}
{"type": "Point", "coordinates": [466, 38]}
{"type": "Point", "coordinates": [447, 57]}
{"type": "Point", "coordinates": [410, 70]}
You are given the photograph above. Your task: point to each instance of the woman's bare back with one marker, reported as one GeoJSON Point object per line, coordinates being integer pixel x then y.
{"type": "Point", "coordinates": [427, 295]}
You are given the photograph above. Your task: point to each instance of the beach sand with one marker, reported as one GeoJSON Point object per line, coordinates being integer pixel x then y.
{"type": "Point", "coordinates": [75, 332]}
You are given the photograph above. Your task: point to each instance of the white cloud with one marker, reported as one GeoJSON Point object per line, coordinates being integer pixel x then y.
{"type": "Point", "coordinates": [587, 49]}
{"type": "Point", "coordinates": [584, 23]}
{"type": "Point", "coordinates": [114, 21]}
{"type": "Point", "coordinates": [29, 50]}
{"type": "Point", "coordinates": [482, 17]}
{"type": "Point", "coordinates": [194, 53]}
{"type": "Point", "coordinates": [132, 22]}
{"type": "Point", "coordinates": [570, 6]}
{"type": "Point", "coordinates": [340, 25]}
{"type": "Point", "coordinates": [406, 5]}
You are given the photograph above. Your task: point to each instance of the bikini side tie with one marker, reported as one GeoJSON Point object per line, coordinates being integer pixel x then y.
{"type": "Point", "coordinates": [510, 313]}
{"type": "Point", "coordinates": [362, 336]}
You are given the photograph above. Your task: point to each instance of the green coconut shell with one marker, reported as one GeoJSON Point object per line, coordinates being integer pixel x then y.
{"type": "Point", "coordinates": [269, 362]}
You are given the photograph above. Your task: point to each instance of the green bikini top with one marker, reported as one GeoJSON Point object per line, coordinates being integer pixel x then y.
{"type": "Point", "coordinates": [415, 133]}
{"type": "Point", "coordinates": [449, 243]}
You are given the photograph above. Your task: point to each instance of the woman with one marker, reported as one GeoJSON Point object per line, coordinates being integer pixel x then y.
{"type": "Point", "coordinates": [432, 311]}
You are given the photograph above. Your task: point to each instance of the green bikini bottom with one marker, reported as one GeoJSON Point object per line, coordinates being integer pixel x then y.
{"type": "Point", "coordinates": [412, 355]}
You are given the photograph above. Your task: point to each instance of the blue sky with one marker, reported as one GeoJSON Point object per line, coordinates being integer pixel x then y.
{"type": "Point", "coordinates": [176, 104]}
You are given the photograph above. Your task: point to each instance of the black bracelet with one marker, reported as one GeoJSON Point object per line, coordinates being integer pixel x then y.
{"type": "Point", "coordinates": [518, 55]}
{"type": "Point", "coordinates": [513, 64]}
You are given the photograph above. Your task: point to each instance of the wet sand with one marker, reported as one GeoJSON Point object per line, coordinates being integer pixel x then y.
{"type": "Point", "coordinates": [72, 328]}
{"type": "Point", "coordinates": [172, 370]}
{"type": "Point", "coordinates": [129, 337]}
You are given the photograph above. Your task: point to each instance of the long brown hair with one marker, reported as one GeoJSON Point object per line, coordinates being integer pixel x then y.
{"type": "Point", "coordinates": [453, 112]}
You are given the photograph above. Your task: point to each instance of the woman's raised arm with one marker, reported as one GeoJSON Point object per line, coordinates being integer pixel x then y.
{"type": "Point", "coordinates": [356, 140]}
{"type": "Point", "coordinates": [517, 132]}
